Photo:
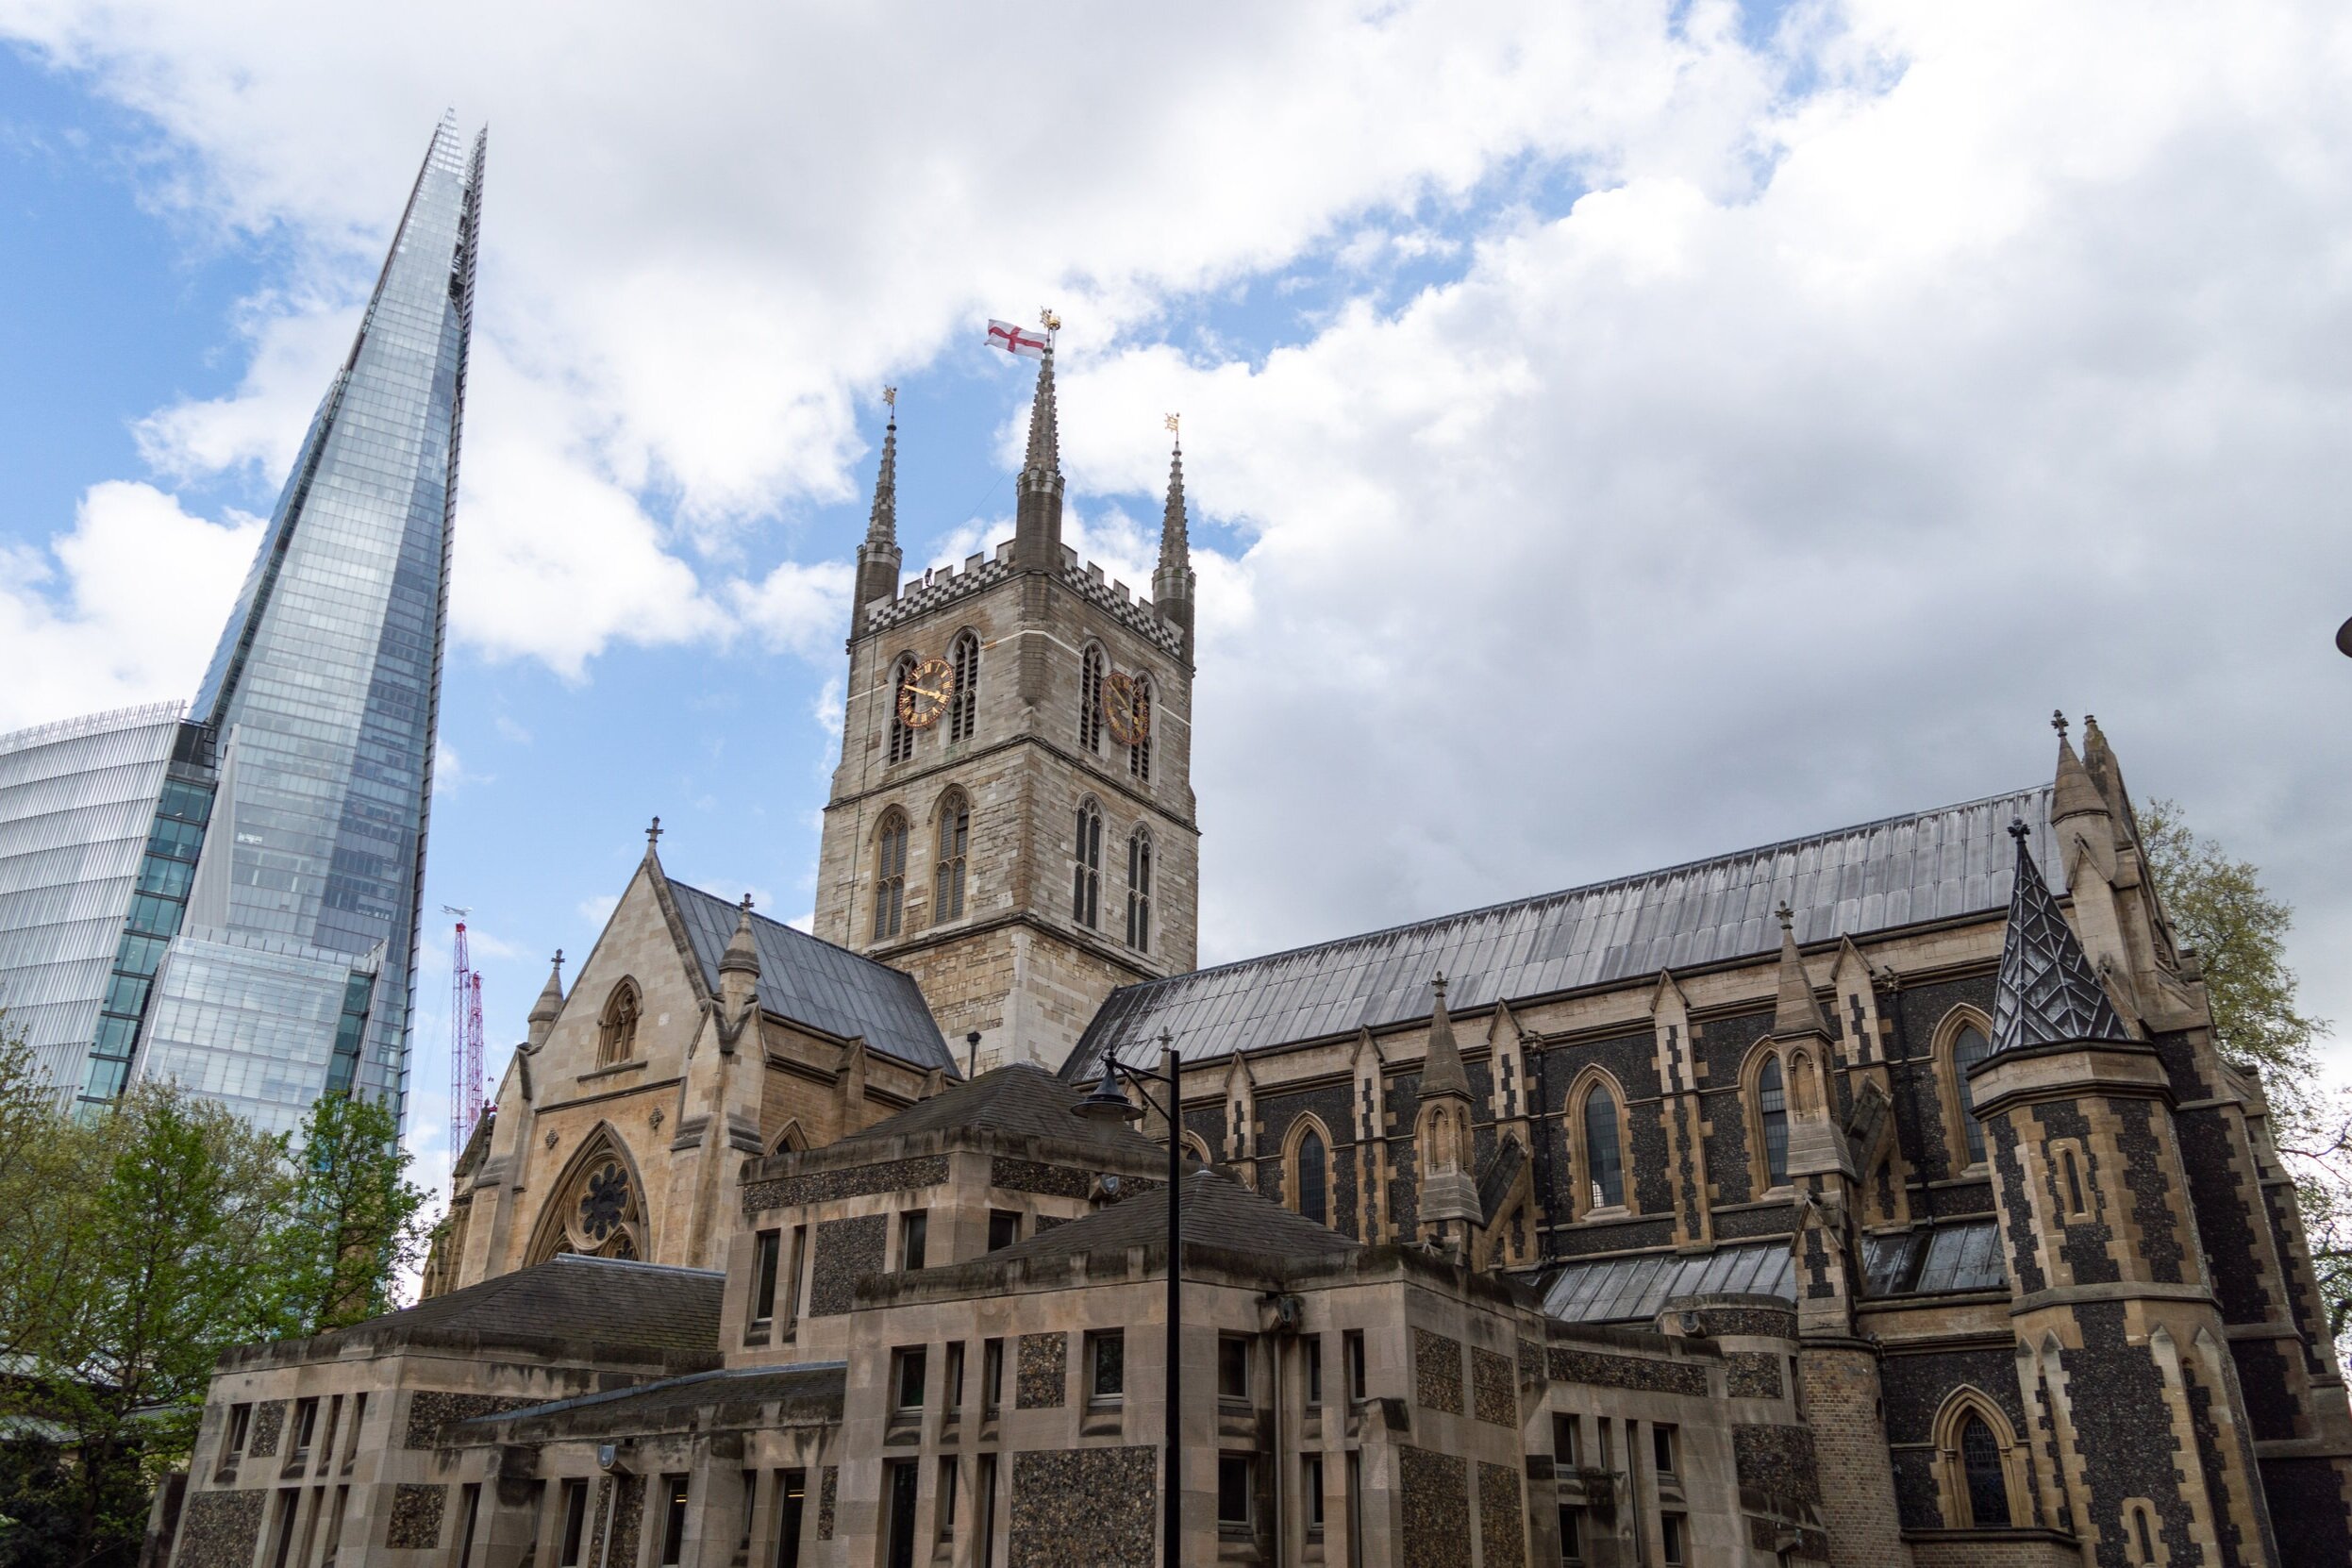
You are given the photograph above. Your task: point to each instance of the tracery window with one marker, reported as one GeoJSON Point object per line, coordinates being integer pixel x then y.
{"type": "Point", "coordinates": [1980, 1461]}
{"type": "Point", "coordinates": [889, 874]}
{"type": "Point", "coordinates": [1600, 1153]}
{"type": "Point", "coordinates": [1772, 1115]}
{"type": "Point", "coordinates": [616, 1030]}
{"type": "Point", "coordinates": [597, 1210]}
{"type": "Point", "coordinates": [1086, 880]}
{"type": "Point", "coordinates": [1310, 1174]}
{"type": "Point", "coordinates": [1140, 754]}
{"type": "Point", "coordinates": [1090, 701]}
{"type": "Point", "coordinates": [954, 838]}
{"type": "Point", "coordinates": [1980, 1467]}
{"type": "Point", "coordinates": [902, 733]}
{"type": "Point", "coordinates": [964, 708]}
{"type": "Point", "coordinates": [1139, 891]}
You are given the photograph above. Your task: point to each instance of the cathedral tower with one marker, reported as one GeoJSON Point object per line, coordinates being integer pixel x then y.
{"type": "Point", "coordinates": [1011, 823]}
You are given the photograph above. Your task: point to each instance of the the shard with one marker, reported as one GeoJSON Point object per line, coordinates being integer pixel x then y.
{"type": "Point", "coordinates": [260, 943]}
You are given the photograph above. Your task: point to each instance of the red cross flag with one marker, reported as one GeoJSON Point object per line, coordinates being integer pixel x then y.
{"type": "Point", "coordinates": [1016, 340]}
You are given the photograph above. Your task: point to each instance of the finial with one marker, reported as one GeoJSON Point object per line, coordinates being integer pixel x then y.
{"type": "Point", "coordinates": [1788, 916]}
{"type": "Point", "coordinates": [2058, 722]}
{"type": "Point", "coordinates": [747, 906]}
{"type": "Point", "coordinates": [2017, 830]}
{"type": "Point", "coordinates": [1438, 985]}
{"type": "Point", "coordinates": [2090, 720]}
{"type": "Point", "coordinates": [1175, 427]}
{"type": "Point", "coordinates": [559, 958]}
{"type": "Point", "coordinates": [653, 834]}
{"type": "Point", "coordinates": [1047, 319]}
{"type": "Point", "coordinates": [890, 396]}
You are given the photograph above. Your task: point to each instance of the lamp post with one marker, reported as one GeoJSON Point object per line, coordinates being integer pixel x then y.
{"type": "Point", "coordinates": [1108, 1103]}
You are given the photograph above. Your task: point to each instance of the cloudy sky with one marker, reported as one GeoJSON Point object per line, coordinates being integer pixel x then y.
{"type": "Point", "coordinates": [1616, 433]}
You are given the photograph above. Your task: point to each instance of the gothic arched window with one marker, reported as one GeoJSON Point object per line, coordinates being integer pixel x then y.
{"type": "Point", "coordinates": [1772, 1116]}
{"type": "Point", "coordinates": [616, 1030]}
{"type": "Point", "coordinates": [889, 874]}
{"type": "Point", "coordinates": [1140, 754]}
{"type": "Point", "coordinates": [1602, 1162]}
{"type": "Point", "coordinates": [1980, 1462]}
{"type": "Point", "coordinates": [597, 1211]}
{"type": "Point", "coordinates": [902, 734]}
{"type": "Point", "coordinates": [964, 708]}
{"type": "Point", "coordinates": [1311, 1174]}
{"type": "Point", "coordinates": [1090, 700]}
{"type": "Point", "coordinates": [1969, 1047]}
{"type": "Point", "coordinates": [954, 838]}
{"type": "Point", "coordinates": [1086, 880]}
{"type": "Point", "coordinates": [1139, 891]}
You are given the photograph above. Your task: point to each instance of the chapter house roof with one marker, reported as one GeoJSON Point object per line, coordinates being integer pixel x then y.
{"type": "Point", "coordinates": [1020, 1100]}
{"type": "Point", "coordinates": [810, 982]}
{"type": "Point", "coordinates": [601, 1301]}
{"type": "Point", "coordinates": [1953, 862]}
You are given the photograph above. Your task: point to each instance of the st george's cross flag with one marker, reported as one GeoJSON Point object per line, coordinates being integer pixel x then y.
{"type": "Point", "coordinates": [1015, 340]}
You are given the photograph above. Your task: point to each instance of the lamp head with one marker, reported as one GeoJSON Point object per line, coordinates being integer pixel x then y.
{"type": "Point", "coordinates": [1108, 1103]}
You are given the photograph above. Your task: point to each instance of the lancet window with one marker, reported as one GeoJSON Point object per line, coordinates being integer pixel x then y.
{"type": "Point", "coordinates": [890, 875]}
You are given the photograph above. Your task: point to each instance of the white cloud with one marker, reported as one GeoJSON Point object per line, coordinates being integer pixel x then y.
{"type": "Point", "coordinates": [124, 609]}
{"type": "Point", "coordinates": [596, 910]}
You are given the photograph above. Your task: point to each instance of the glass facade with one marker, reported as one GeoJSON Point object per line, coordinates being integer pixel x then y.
{"type": "Point", "coordinates": [77, 805]}
{"type": "Point", "coordinates": [323, 693]}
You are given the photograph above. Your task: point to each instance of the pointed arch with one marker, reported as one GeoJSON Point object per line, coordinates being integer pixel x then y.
{"type": "Point", "coordinates": [1140, 753]}
{"type": "Point", "coordinates": [1963, 1036]}
{"type": "Point", "coordinates": [963, 702]}
{"type": "Point", "coordinates": [596, 1207]}
{"type": "Point", "coordinates": [954, 843]}
{"type": "Point", "coordinates": [889, 874]}
{"type": "Point", "coordinates": [1982, 1482]}
{"type": "Point", "coordinates": [1140, 868]}
{"type": "Point", "coordinates": [1598, 1136]}
{"type": "Point", "coordinates": [1196, 1148]}
{"type": "Point", "coordinates": [1086, 859]}
{"type": "Point", "coordinates": [1307, 1173]}
{"type": "Point", "coordinates": [791, 1139]}
{"type": "Point", "coordinates": [616, 1025]}
{"type": "Point", "coordinates": [1094, 668]}
{"type": "Point", "coordinates": [902, 739]}
{"type": "Point", "coordinates": [1766, 1100]}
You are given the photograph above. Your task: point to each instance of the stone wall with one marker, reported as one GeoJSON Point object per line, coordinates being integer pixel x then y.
{"type": "Point", "coordinates": [220, 1529]}
{"type": "Point", "coordinates": [414, 1523]}
{"type": "Point", "coordinates": [1090, 1506]}
{"type": "Point", "coordinates": [845, 1251]}
{"type": "Point", "coordinates": [1437, 1372]}
{"type": "Point", "coordinates": [1435, 1498]}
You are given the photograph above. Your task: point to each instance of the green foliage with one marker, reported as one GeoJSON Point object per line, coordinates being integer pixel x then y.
{"type": "Point", "coordinates": [2219, 906]}
{"type": "Point", "coordinates": [145, 1240]}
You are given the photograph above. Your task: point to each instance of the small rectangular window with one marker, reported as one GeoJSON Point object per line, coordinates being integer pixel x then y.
{"type": "Point", "coordinates": [470, 1510]}
{"type": "Point", "coordinates": [1311, 1488]}
{"type": "Point", "coordinates": [991, 1375]}
{"type": "Point", "coordinates": [791, 1306]}
{"type": "Point", "coordinates": [792, 1502]}
{"type": "Point", "coordinates": [1004, 1228]}
{"type": "Point", "coordinates": [906, 1370]}
{"type": "Point", "coordinates": [1106, 1364]}
{"type": "Point", "coordinates": [751, 1506]}
{"type": "Point", "coordinates": [1233, 1488]}
{"type": "Point", "coordinates": [1232, 1367]}
{"type": "Point", "coordinates": [1567, 1442]}
{"type": "Point", "coordinates": [767, 1251]}
{"type": "Point", "coordinates": [326, 1438]}
{"type": "Point", "coordinates": [289, 1504]}
{"type": "Point", "coordinates": [673, 1520]}
{"type": "Point", "coordinates": [233, 1439]}
{"type": "Point", "coordinates": [359, 1419]}
{"type": "Point", "coordinates": [1571, 1533]}
{"type": "Point", "coordinates": [306, 1429]}
{"type": "Point", "coordinates": [912, 1228]}
{"type": "Point", "coordinates": [951, 1377]}
{"type": "Point", "coordinates": [1353, 1342]}
{"type": "Point", "coordinates": [1671, 1533]}
{"type": "Point", "coordinates": [1313, 1349]}
{"type": "Point", "coordinates": [948, 1476]}
{"type": "Point", "coordinates": [1662, 1447]}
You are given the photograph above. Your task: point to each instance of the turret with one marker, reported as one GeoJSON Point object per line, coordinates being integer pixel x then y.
{"type": "Point", "coordinates": [1037, 517]}
{"type": "Point", "coordinates": [1448, 1200]}
{"type": "Point", "coordinates": [550, 1004]}
{"type": "Point", "coordinates": [879, 557]}
{"type": "Point", "coordinates": [739, 966]}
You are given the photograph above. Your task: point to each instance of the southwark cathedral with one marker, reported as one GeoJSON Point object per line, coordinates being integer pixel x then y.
{"type": "Point", "coordinates": [1876, 1198]}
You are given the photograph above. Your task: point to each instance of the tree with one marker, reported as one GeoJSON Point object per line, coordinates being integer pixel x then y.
{"type": "Point", "coordinates": [353, 1225]}
{"type": "Point", "coordinates": [40, 1248]}
{"type": "Point", "coordinates": [2219, 906]}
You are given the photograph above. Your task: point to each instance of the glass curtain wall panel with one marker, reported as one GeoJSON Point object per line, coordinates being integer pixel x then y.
{"type": "Point", "coordinates": [324, 687]}
{"type": "Point", "coordinates": [77, 803]}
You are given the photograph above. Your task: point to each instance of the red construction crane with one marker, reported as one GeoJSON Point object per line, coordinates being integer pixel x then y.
{"type": "Point", "coordinates": [465, 1040]}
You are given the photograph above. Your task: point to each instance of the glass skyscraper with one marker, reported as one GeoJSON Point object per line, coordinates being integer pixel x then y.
{"type": "Point", "coordinates": [261, 915]}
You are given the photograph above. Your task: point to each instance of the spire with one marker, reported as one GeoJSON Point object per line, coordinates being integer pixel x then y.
{"type": "Point", "coordinates": [1037, 517]}
{"type": "Point", "coordinates": [880, 557]}
{"type": "Point", "coordinates": [1441, 1069]}
{"type": "Point", "coordinates": [2075, 795]}
{"type": "Point", "coordinates": [742, 951]}
{"type": "Point", "coordinates": [2099, 759]}
{"type": "Point", "coordinates": [1171, 583]}
{"type": "Point", "coordinates": [1798, 1011]}
{"type": "Point", "coordinates": [550, 1004]}
{"type": "Point", "coordinates": [2047, 993]}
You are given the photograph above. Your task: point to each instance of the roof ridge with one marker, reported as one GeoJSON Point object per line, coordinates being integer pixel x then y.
{"type": "Point", "coordinates": [1581, 890]}
{"type": "Point", "coordinates": [780, 924]}
{"type": "Point", "coordinates": [622, 1263]}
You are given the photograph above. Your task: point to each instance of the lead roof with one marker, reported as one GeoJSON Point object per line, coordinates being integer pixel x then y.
{"type": "Point", "coordinates": [604, 1301]}
{"type": "Point", "coordinates": [810, 982]}
{"type": "Point", "coordinates": [1940, 865]}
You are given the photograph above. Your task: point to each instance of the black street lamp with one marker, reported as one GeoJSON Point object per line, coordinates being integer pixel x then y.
{"type": "Point", "coordinates": [1108, 1103]}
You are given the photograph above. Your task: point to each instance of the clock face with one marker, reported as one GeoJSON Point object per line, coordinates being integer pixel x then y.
{"type": "Point", "coordinates": [1127, 708]}
{"type": "Point", "coordinates": [924, 697]}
